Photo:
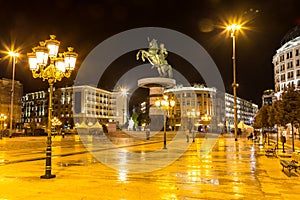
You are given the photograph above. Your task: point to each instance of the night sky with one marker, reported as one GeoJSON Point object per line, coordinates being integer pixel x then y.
{"type": "Point", "coordinates": [85, 24]}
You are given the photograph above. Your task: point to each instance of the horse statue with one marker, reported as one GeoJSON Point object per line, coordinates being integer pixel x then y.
{"type": "Point", "coordinates": [157, 58]}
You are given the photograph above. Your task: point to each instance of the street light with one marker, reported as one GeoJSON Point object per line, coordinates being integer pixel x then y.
{"type": "Point", "coordinates": [206, 119]}
{"type": "Point", "coordinates": [192, 115]}
{"type": "Point", "coordinates": [233, 28]}
{"type": "Point", "coordinates": [55, 122]}
{"type": "Point", "coordinates": [166, 105]}
{"type": "Point", "coordinates": [61, 65]}
{"type": "Point", "coordinates": [124, 93]}
{"type": "Point", "coordinates": [13, 55]}
{"type": "Point", "coordinates": [3, 117]}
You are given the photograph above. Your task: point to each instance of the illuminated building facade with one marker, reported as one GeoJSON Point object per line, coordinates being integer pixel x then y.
{"type": "Point", "coordinates": [246, 110]}
{"type": "Point", "coordinates": [5, 97]}
{"type": "Point", "coordinates": [198, 101]}
{"type": "Point", "coordinates": [35, 108]}
{"type": "Point", "coordinates": [268, 97]}
{"type": "Point", "coordinates": [286, 62]}
{"type": "Point", "coordinates": [191, 102]}
{"type": "Point", "coordinates": [75, 104]}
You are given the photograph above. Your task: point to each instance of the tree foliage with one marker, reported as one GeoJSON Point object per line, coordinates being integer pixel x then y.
{"type": "Point", "coordinates": [277, 113]}
{"type": "Point", "coordinates": [262, 118]}
{"type": "Point", "coordinates": [291, 106]}
{"type": "Point", "coordinates": [143, 118]}
{"type": "Point", "coordinates": [282, 112]}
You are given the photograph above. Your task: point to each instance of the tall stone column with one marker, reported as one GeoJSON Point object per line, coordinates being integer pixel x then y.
{"type": "Point", "coordinates": [156, 86]}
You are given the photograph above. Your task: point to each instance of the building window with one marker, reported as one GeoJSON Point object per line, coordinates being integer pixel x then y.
{"type": "Point", "coordinates": [297, 52]}
{"type": "Point", "coordinates": [290, 65]}
{"type": "Point", "coordinates": [277, 80]}
{"type": "Point", "coordinates": [281, 58]}
{"type": "Point", "coordinates": [297, 62]}
{"type": "Point", "coordinates": [290, 75]}
{"type": "Point", "coordinates": [298, 72]}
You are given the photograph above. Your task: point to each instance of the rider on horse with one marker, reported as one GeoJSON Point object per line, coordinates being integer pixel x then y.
{"type": "Point", "coordinates": [157, 57]}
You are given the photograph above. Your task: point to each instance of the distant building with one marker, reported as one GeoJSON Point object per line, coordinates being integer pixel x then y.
{"type": "Point", "coordinates": [87, 104]}
{"type": "Point", "coordinates": [5, 99]}
{"type": "Point", "coordinates": [246, 110]}
{"type": "Point", "coordinates": [268, 97]}
{"type": "Point", "coordinates": [75, 104]}
{"type": "Point", "coordinates": [191, 103]}
{"type": "Point", "coordinates": [35, 108]}
{"type": "Point", "coordinates": [202, 104]}
{"type": "Point", "coordinates": [287, 62]}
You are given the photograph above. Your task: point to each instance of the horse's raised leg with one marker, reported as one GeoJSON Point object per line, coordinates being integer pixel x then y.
{"type": "Point", "coordinates": [138, 55]}
{"type": "Point", "coordinates": [143, 56]}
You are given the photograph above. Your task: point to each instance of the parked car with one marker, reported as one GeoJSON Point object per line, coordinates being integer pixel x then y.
{"type": "Point", "coordinates": [39, 132]}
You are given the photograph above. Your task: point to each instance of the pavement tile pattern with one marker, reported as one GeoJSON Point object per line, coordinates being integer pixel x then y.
{"type": "Point", "coordinates": [232, 170]}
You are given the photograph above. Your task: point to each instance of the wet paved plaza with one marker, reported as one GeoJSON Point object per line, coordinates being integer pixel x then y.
{"type": "Point", "coordinates": [226, 170]}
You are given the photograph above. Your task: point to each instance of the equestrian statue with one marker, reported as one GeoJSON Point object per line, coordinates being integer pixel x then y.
{"type": "Point", "coordinates": [157, 58]}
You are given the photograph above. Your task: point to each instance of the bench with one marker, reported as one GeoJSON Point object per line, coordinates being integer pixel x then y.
{"type": "Point", "coordinates": [271, 151]}
{"type": "Point", "coordinates": [291, 164]}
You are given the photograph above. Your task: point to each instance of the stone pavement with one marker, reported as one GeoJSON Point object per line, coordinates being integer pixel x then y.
{"type": "Point", "coordinates": [229, 170]}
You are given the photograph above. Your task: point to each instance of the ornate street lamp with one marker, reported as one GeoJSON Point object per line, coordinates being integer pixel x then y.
{"type": "Point", "coordinates": [13, 55]}
{"type": "Point", "coordinates": [61, 65]}
{"type": "Point", "coordinates": [206, 119]}
{"type": "Point", "coordinates": [56, 122]}
{"type": "Point", "coordinates": [192, 115]}
{"type": "Point", "coordinates": [233, 28]}
{"type": "Point", "coordinates": [166, 105]}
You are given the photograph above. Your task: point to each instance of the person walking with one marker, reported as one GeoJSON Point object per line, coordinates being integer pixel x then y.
{"type": "Point", "coordinates": [147, 129]}
{"type": "Point", "coordinates": [187, 134]}
{"type": "Point", "coordinates": [283, 140]}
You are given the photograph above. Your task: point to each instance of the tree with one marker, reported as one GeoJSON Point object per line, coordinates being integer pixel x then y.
{"type": "Point", "coordinates": [262, 119]}
{"type": "Point", "coordinates": [134, 117]}
{"type": "Point", "coordinates": [258, 120]}
{"type": "Point", "coordinates": [143, 118]}
{"type": "Point", "coordinates": [291, 109]}
{"type": "Point", "coordinates": [277, 116]}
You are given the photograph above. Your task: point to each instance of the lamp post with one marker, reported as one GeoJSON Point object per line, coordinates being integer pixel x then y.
{"type": "Point", "coordinates": [13, 55]}
{"type": "Point", "coordinates": [206, 118]}
{"type": "Point", "coordinates": [192, 115]}
{"type": "Point", "coordinates": [3, 117]}
{"type": "Point", "coordinates": [233, 28]}
{"type": "Point", "coordinates": [124, 92]}
{"type": "Point", "coordinates": [61, 65]}
{"type": "Point", "coordinates": [55, 122]}
{"type": "Point", "coordinates": [166, 105]}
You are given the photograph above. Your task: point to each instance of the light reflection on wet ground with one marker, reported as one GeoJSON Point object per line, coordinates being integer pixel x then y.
{"type": "Point", "coordinates": [232, 170]}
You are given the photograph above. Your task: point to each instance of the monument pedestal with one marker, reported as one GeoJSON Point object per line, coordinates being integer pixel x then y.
{"type": "Point", "coordinates": [156, 86]}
